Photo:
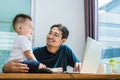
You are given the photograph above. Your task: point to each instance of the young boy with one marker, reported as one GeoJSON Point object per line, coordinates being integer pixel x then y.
{"type": "Point", "coordinates": [22, 49]}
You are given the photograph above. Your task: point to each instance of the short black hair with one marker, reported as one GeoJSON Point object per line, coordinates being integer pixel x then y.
{"type": "Point", "coordinates": [20, 18]}
{"type": "Point", "coordinates": [64, 30]}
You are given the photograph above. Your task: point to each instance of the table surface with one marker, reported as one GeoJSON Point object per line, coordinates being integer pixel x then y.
{"type": "Point", "coordinates": [58, 76]}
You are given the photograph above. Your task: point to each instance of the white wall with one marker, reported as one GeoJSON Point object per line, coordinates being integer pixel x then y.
{"type": "Point", "coordinates": [68, 12]}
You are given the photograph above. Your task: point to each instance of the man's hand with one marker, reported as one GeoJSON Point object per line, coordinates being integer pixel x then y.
{"type": "Point", "coordinates": [77, 67]}
{"type": "Point", "coordinates": [15, 66]}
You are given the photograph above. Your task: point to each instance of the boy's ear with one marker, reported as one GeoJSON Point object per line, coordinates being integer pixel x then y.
{"type": "Point", "coordinates": [20, 27]}
{"type": "Point", "coordinates": [64, 40]}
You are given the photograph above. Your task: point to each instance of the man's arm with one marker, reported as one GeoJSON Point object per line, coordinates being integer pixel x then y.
{"type": "Point", "coordinates": [15, 66]}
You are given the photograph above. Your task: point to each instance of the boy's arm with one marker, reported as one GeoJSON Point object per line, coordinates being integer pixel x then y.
{"type": "Point", "coordinates": [29, 55]}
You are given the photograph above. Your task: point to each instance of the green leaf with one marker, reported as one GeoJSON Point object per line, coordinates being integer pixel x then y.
{"type": "Point", "coordinates": [113, 62]}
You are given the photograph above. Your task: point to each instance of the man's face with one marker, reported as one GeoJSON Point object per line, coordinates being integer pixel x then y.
{"type": "Point", "coordinates": [54, 37]}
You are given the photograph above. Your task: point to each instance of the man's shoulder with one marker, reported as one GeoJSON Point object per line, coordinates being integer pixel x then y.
{"type": "Point", "coordinates": [65, 47]}
{"type": "Point", "coordinates": [39, 48]}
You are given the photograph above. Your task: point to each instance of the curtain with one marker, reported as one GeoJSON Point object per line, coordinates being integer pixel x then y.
{"type": "Point", "coordinates": [91, 20]}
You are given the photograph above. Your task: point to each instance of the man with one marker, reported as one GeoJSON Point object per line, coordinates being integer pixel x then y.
{"type": "Point", "coordinates": [53, 55]}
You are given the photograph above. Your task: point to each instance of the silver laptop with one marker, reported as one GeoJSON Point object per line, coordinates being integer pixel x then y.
{"type": "Point", "coordinates": [92, 56]}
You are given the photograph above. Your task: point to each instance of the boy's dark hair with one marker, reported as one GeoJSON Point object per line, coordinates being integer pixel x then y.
{"type": "Point", "coordinates": [20, 18]}
{"type": "Point", "coordinates": [64, 30]}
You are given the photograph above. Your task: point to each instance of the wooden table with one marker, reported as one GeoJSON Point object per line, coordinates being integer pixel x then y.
{"type": "Point", "coordinates": [67, 76]}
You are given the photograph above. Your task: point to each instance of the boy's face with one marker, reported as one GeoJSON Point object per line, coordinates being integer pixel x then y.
{"type": "Point", "coordinates": [27, 28]}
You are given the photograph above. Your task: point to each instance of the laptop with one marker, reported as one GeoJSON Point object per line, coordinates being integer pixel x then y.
{"type": "Point", "coordinates": [92, 56]}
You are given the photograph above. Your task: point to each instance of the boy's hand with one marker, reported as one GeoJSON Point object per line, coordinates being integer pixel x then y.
{"type": "Point", "coordinates": [42, 66]}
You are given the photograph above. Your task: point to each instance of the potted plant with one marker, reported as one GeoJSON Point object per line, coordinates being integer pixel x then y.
{"type": "Point", "coordinates": [113, 65]}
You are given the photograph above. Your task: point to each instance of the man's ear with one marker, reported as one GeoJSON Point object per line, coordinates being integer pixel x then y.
{"type": "Point", "coordinates": [64, 40]}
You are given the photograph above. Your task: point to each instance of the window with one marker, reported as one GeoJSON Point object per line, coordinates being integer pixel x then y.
{"type": "Point", "coordinates": [109, 30]}
{"type": "Point", "coordinates": [8, 9]}
{"type": "Point", "coordinates": [109, 22]}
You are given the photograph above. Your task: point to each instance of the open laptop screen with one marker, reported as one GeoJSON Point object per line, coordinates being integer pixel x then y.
{"type": "Point", "coordinates": [92, 56]}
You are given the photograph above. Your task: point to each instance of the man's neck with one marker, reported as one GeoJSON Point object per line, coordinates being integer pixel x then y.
{"type": "Point", "coordinates": [52, 49]}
